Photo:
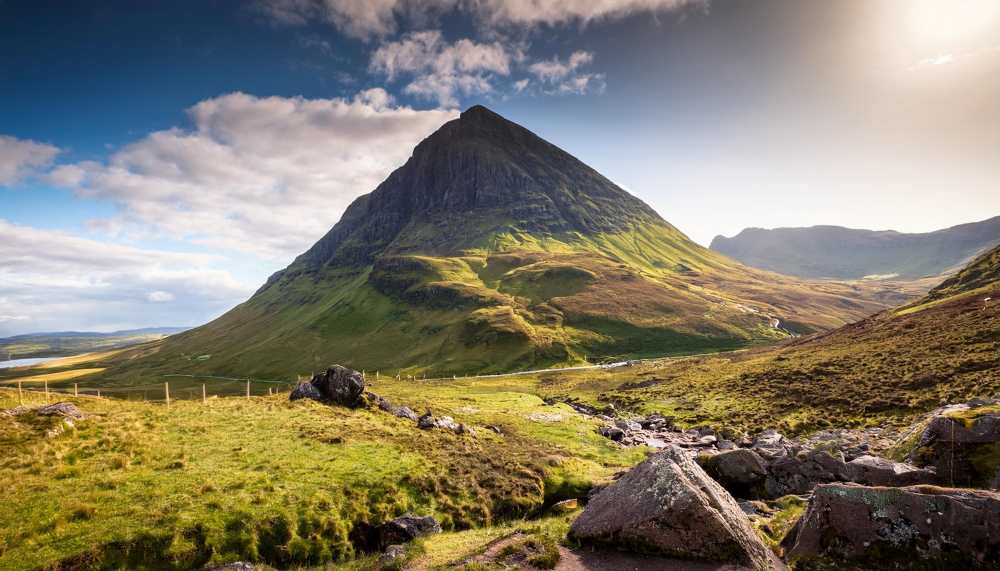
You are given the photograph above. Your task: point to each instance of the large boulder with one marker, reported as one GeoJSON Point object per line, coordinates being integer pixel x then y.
{"type": "Point", "coordinates": [306, 390]}
{"type": "Point", "coordinates": [849, 526]}
{"type": "Point", "coordinates": [801, 472]}
{"type": "Point", "coordinates": [406, 528]}
{"type": "Point", "coordinates": [63, 409]}
{"type": "Point", "coordinates": [962, 442]}
{"type": "Point", "coordinates": [875, 471]}
{"type": "Point", "coordinates": [668, 505]}
{"type": "Point", "coordinates": [741, 472]}
{"type": "Point", "coordinates": [337, 385]}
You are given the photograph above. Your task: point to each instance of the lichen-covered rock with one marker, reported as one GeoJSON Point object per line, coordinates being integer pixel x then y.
{"type": "Point", "coordinates": [669, 505]}
{"type": "Point", "coordinates": [406, 528]}
{"type": "Point", "coordinates": [404, 412]}
{"type": "Point", "coordinates": [741, 472]}
{"type": "Point", "coordinates": [392, 557]}
{"type": "Point", "coordinates": [962, 443]}
{"type": "Point", "coordinates": [875, 471]}
{"type": "Point", "coordinates": [63, 409]}
{"type": "Point", "coordinates": [801, 472]}
{"type": "Point", "coordinates": [849, 526]}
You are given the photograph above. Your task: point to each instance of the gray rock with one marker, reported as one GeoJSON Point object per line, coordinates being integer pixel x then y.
{"type": "Point", "coordinates": [405, 412]}
{"type": "Point", "coordinates": [669, 505]}
{"type": "Point", "coordinates": [341, 386]}
{"type": "Point", "coordinates": [741, 472]}
{"type": "Point", "coordinates": [628, 425]}
{"type": "Point", "coordinates": [849, 526]}
{"type": "Point", "coordinates": [63, 409]}
{"type": "Point", "coordinates": [337, 385]}
{"type": "Point", "coordinates": [875, 471]}
{"type": "Point", "coordinates": [962, 443]}
{"type": "Point", "coordinates": [406, 528]}
{"type": "Point", "coordinates": [392, 557]}
{"type": "Point", "coordinates": [305, 390]}
{"type": "Point", "coordinates": [613, 432]}
{"type": "Point", "coordinates": [235, 566]}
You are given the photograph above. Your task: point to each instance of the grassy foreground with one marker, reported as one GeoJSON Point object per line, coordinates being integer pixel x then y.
{"type": "Point", "coordinates": [141, 485]}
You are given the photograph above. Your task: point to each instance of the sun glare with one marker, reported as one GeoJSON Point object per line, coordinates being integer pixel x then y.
{"type": "Point", "coordinates": [940, 23]}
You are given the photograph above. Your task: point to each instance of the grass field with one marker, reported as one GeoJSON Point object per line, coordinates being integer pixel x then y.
{"type": "Point", "coordinates": [143, 485]}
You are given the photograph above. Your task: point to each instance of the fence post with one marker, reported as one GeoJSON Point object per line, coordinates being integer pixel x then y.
{"type": "Point", "coordinates": [248, 389]}
{"type": "Point", "coordinates": [76, 390]}
{"type": "Point", "coordinates": [20, 394]}
{"type": "Point", "coordinates": [46, 391]}
{"type": "Point", "coordinates": [204, 399]}
{"type": "Point", "coordinates": [98, 393]}
{"type": "Point", "coordinates": [166, 392]}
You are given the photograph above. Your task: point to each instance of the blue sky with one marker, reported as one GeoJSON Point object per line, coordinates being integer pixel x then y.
{"type": "Point", "coordinates": [159, 160]}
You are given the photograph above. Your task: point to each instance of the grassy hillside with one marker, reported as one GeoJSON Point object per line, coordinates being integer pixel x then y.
{"type": "Point", "coordinates": [885, 369]}
{"type": "Point", "coordinates": [141, 485]}
{"type": "Point", "coordinates": [517, 303]}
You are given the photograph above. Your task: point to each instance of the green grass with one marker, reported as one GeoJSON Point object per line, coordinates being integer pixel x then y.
{"type": "Point", "coordinates": [514, 301]}
{"type": "Point", "coordinates": [140, 485]}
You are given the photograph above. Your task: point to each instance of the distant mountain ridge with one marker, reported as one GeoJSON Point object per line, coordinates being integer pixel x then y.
{"type": "Point", "coordinates": [64, 343]}
{"type": "Point", "coordinates": [845, 253]}
{"type": "Point", "coordinates": [491, 249]}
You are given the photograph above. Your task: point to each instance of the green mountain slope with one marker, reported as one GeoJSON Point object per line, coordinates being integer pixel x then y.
{"type": "Point", "coordinates": [883, 370]}
{"type": "Point", "coordinates": [491, 249]}
{"type": "Point", "coordinates": [845, 253]}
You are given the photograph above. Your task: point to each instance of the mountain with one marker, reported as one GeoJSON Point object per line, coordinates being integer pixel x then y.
{"type": "Point", "coordinates": [845, 253]}
{"type": "Point", "coordinates": [61, 343]}
{"type": "Point", "coordinates": [492, 249]}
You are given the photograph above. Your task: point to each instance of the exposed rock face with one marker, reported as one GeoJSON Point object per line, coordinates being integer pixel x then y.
{"type": "Point", "coordinates": [848, 526]}
{"type": "Point", "coordinates": [406, 528]}
{"type": "Point", "coordinates": [875, 471]}
{"type": "Point", "coordinates": [669, 505]}
{"type": "Point", "coordinates": [337, 385]}
{"type": "Point", "coordinates": [742, 472]}
{"type": "Point", "coordinates": [962, 442]}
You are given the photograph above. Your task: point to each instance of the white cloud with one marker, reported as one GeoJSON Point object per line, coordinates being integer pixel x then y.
{"type": "Point", "coordinates": [160, 296]}
{"type": "Point", "coordinates": [264, 175]}
{"type": "Point", "coordinates": [20, 158]}
{"type": "Point", "coordinates": [53, 280]}
{"type": "Point", "coordinates": [442, 70]}
{"type": "Point", "coordinates": [379, 18]}
{"type": "Point", "coordinates": [565, 77]}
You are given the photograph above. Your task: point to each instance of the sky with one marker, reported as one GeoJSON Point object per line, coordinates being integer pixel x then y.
{"type": "Point", "coordinates": [158, 160]}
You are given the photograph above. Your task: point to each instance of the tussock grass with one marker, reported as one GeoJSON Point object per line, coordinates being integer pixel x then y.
{"type": "Point", "coordinates": [138, 485]}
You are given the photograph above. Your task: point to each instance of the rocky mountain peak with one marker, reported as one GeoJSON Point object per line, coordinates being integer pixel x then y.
{"type": "Point", "coordinates": [475, 177]}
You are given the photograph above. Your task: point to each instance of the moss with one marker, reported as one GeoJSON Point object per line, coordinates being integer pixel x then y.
{"type": "Point", "coordinates": [786, 513]}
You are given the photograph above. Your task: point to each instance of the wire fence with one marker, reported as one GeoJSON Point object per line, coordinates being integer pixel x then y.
{"type": "Point", "coordinates": [166, 391]}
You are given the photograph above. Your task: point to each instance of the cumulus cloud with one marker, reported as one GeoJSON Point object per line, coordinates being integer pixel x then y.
{"type": "Point", "coordinates": [565, 76]}
{"type": "Point", "coordinates": [52, 280]}
{"type": "Point", "coordinates": [440, 70]}
{"type": "Point", "coordinates": [263, 175]}
{"type": "Point", "coordinates": [381, 17]}
{"type": "Point", "coordinates": [20, 158]}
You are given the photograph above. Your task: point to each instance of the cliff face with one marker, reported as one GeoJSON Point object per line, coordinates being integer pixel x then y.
{"type": "Point", "coordinates": [477, 175]}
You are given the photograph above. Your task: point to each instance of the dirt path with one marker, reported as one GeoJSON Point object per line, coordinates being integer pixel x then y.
{"type": "Point", "coordinates": [585, 560]}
